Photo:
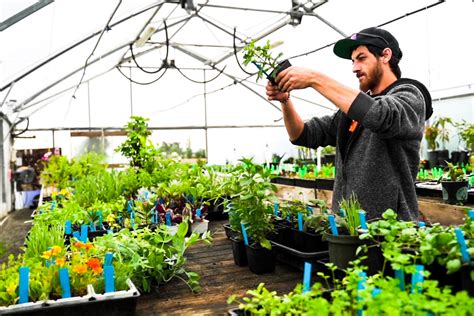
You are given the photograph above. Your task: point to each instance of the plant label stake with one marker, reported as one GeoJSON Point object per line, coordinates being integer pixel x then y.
{"type": "Point", "coordinates": [101, 225]}
{"type": "Point", "coordinates": [400, 275]}
{"type": "Point", "coordinates": [363, 223]}
{"type": "Point", "coordinates": [310, 210]}
{"type": "Point", "coordinates": [77, 235]}
{"type": "Point", "coordinates": [53, 205]}
{"type": "Point", "coordinates": [109, 279]}
{"type": "Point", "coordinates": [421, 224]}
{"type": "Point", "coordinates": [332, 223]}
{"type": "Point", "coordinates": [471, 214]}
{"type": "Point", "coordinates": [129, 206]}
{"type": "Point", "coordinates": [417, 278]}
{"type": "Point", "coordinates": [92, 226]}
{"type": "Point", "coordinates": [108, 259]}
{"type": "Point", "coordinates": [24, 284]}
{"type": "Point", "coordinates": [132, 219]}
{"type": "Point", "coordinates": [360, 287]}
{"type": "Point", "coordinates": [198, 212]}
{"type": "Point", "coordinates": [64, 281]}
{"type": "Point", "coordinates": [168, 218]}
{"type": "Point", "coordinates": [300, 222]}
{"type": "Point", "coordinates": [276, 208]}
{"type": "Point", "coordinates": [462, 243]}
{"type": "Point", "coordinates": [84, 229]}
{"type": "Point", "coordinates": [376, 292]}
{"type": "Point", "coordinates": [307, 277]}
{"type": "Point", "coordinates": [68, 228]}
{"type": "Point", "coordinates": [244, 234]}
{"type": "Point", "coordinates": [342, 213]}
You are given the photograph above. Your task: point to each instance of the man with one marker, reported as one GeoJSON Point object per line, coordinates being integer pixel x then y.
{"type": "Point", "coordinates": [377, 130]}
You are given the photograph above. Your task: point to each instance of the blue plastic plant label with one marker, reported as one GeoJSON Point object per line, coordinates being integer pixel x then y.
{"type": "Point", "coordinates": [108, 259]}
{"type": "Point", "coordinates": [84, 229]}
{"type": "Point", "coordinates": [421, 224]}
{"type": "Point", "coordinates": [462, 244]}
{"type": "Point", "coordinates": [417, 279]}
{"type": "Point", "coordinates": [64, 281]}
{"type": "Point", "coordinates": [244, 234]}
{"type": "Point", "coordinates": [67, 227]}
{"type": "Point", "coordinates": [300, 222]}
{"type": "Point", "coordinates": [168, 218]}
{"type": "Point", "coordinates": [198, 212]}
{"type": "Point", "coordinates": [24, 284]}
{"type": "Point", "coordinates": [400, 275]}
{"type": "Point", "coordinates": [332, 224]}
{"type": "Point", "coordinates": [307, 277]}
{"type": "Point", "coordinates": [363, 223]}
{"type": "Point", "coordinates": [471, 214]}
{"type": "Point", "coordinates": [276, 208]}
{"type": "Point", "coordinates": [109, 279]}
{"type": "Point", "coordinates": [129, 206]}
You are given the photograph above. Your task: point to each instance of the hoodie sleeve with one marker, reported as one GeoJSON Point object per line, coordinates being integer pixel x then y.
{"type": "Point", "coordinates": [399, 114]}
{"type": "Point", "coordinates": [319, 131]}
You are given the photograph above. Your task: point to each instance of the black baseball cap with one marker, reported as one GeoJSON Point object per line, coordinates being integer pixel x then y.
{"type": "Point", "coordinates": [371, 36]}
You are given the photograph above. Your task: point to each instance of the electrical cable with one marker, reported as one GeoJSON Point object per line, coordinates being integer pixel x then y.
{"type": "Point", "coordinates": [25, 129]}
{"type": "Point", "coordinates": [142, 83]}
{"type": "Point", "coordinates": [166, 57]}
{"type": "Point", "coordinates": [237, 59]}
{"type": "Point", "coordinates": [200, 82]}
{"type": "Point", "coordinates": [380, 25]}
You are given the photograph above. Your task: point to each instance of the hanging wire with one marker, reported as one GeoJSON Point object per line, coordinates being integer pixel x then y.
{"type": "Point", "coordinates": [200, 82]}
{"type": "Point", "coordinates": [166, 57]}
{"type": "Point", "coordinates": [237, 59]}
{"type": "Point", "coordinates": [142, 83]}
{"type": "Point", "coordinates": [380, 25]}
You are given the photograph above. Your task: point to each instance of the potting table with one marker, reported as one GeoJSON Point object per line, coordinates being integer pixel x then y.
{"type": "Point", "coordinates": [220, 278]}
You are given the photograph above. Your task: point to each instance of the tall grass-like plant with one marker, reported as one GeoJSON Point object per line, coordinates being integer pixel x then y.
{"type": "Point", "coordinates": [351, 208]}
{"type": "Point", "coordinates": [42, 237]}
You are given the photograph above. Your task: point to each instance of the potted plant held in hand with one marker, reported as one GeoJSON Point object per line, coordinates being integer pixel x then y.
{"type": "Point", "coordinates": [267, 64]}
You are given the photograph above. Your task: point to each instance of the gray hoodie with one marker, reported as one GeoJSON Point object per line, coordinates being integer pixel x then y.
{"type": "Point", "coordinates": [379, 160]}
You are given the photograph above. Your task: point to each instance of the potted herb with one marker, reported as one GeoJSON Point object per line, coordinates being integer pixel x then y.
{"type": "Point", "coordinates": [328, 155]}
{"type": "Point", "coordinates": [455, 185]}
{"type": "Point", "coordinates": [253, 205]}
{"type": "Point", "coordinates": [262, 58]}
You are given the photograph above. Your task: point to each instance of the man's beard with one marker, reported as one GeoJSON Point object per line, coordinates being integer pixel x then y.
{"type": "Point", "coordinates": [372, 78]}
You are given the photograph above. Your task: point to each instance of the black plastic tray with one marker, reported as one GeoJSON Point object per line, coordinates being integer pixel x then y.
{"type": "Point", "coordinates": [295, 258]}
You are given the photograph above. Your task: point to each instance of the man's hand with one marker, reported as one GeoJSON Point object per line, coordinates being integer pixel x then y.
{"type": "Point", "coordinates": [295, 78]}
{"type": "Point", "coordinates": [273, 93]}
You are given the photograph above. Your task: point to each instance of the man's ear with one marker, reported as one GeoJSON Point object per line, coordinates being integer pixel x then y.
{"type": "Point", "coordinates": [387, 55]}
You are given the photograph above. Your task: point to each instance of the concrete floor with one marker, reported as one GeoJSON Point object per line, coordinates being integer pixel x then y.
{"type": "Point", "coordinates": [13, 232]}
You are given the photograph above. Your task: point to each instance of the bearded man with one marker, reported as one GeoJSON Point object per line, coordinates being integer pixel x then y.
{"type": "Point", "coordinates": [377, 130]}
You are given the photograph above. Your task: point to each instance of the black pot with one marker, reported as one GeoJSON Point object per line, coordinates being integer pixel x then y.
{"type": "Point", "coordinates": [239, 252]}
{"type": "Point", "coordinates": [281, 66]}
{"type": "Point", "coordinates": [443, 156]}
{"type": "Point", "coordinates": [330, 159]}
{"type": "Point", "coordinates": [260, 260]}
{"type": "Point", "coordinates": [237, 312]}
{"type": "Point", "coordinates": [455, 192]}
{"type": "Point", "coordinates": [309, 242]}
{"type": "Point", "coordinates": [457, 281]}
{"type": "Point", "coordinates": [433, 158]}
{"type": "Point", "coordinates": [230, 233]}
{"type": "Point", "coordinates": [464, 157]}
{"type": "Point", "coordinates": [455, 155]}
{"type": "Point", "coordinates": [342, 249]}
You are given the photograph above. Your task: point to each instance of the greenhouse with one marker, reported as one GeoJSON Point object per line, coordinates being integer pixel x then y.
{"type": "Point", "coordinates": [209, 157]}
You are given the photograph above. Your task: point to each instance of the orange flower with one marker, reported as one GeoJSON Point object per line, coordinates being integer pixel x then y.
{"type": "Point", "coordinates": [55, 250]}
{"type": "Point", "coordinates": [47, 254]}
{"type": "Point", "coordinates": [80, 268]}
{"type": "Point", "coordinates": [60, 261]}
{"type": "Point", "coordinates": [88, 246]}
{"type": "Point", "coordinates": [93, 263]}
{"type": "Point", "coordinates": [79, 244]}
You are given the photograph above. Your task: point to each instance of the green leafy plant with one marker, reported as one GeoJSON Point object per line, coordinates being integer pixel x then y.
{"type": "Point", "coordinates": [262, 57]}
{"type": "Point", "coordinates": [454, 173]}
{"type": "Point", "coordinates": [431, 135]}
{"type": "Point", "coordinates": [137, 147]}
{"type": "Point", "coordinates": [466, 133]}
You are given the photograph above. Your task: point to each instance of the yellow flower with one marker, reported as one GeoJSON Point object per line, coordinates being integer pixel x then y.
{"type": "Point", "coordinates": [110, 218]}
{"type": "Point", "coordinates": [54, 194]}
{"type": "Point", "coordinates": [47, 254]}
{"type": "Point", "coordinates": [55, 250]}
{"type": "Point", "coordinates": [60, 262]}
{"type": "Point", "coordinates": [64, 192]}
{"type": "Point", "coordinates": [11, 288]}
{"type": "Point", "coordinates": [80, 268]}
